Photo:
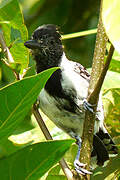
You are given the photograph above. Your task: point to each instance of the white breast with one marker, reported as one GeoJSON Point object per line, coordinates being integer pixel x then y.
{"type": "Point", "coordinates": [68, 121]}
{"type": "Point", "coordinates": [63, 119]}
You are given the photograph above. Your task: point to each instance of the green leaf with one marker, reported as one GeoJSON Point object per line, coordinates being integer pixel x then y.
{"type": "Point", "coordinates": [32, 162]}
{"type": "Point", "coordinates": [55, 172]}
{"type": "Point", "coordinates": [17, 100]}
{"type": "Point", "coordinates": [111, 100]}
{"type": "Point", "coordinates": [111, 21]}
{"type": "Point", "coordinates": [115, 66]}
{"type": "Point", "coordinates": [112, 80]}
{"type": "Point", "coordinates": [15, 31]}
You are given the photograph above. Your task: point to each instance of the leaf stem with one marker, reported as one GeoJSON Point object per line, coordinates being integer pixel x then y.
{"type": "Point", "coordinates": [79, 34]}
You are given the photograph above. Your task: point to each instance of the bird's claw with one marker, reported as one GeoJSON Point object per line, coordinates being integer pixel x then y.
{"type": "Point", "coordinates": [88, 106]}
{"type": "Point", "coordinates": [79, 167]}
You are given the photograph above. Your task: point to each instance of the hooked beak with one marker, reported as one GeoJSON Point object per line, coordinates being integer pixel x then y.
{"type": "Point", "coordinates": [32, 44]}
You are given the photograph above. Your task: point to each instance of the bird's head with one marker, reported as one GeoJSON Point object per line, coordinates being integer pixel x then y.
{"type": "Point", "coordinates": [46, 46]}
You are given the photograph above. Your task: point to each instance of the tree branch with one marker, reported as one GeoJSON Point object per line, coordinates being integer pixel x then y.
{"type": "Point", "coordinates": [99, 70]}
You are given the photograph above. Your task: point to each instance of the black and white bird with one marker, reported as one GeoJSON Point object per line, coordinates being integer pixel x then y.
{"type": "Point", "coordinates": [64, 95]}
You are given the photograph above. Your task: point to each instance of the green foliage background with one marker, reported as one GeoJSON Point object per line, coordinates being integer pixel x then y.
{"type": "Point", "coordinates": [18, 19]}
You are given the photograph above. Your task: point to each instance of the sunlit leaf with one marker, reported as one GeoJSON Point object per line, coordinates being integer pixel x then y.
{"type": "Point", "coordinates": [112, 80]}
{"type": "Point", "coordinates": [111, 21]}
{"type": "Point", "coordinates": [15, 32]}
{"type": "Point", "coordinates": [32, 162]}
{"type": "Point", "coordinates": [111, 100]}
{"type": "Point", "coordinates": [17, 100]}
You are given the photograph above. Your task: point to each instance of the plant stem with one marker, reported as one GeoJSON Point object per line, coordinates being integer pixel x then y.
{"type": "Point", "coordinates": [99, 70]}
{"type": "Point", "coordinates": [79, 34]}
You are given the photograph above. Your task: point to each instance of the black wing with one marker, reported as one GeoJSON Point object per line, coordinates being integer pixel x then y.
{"type": "Point", "coordinates": [65, 99]}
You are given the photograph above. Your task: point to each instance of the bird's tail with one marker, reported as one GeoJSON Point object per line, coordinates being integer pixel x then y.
{"type": "Point", "coordinates": [103, 145]}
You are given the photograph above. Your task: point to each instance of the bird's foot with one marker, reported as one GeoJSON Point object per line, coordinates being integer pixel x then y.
{"type": "Point", "coordinates": [80, 168]}
{"type": "Point", "coordinates": [88, 106]}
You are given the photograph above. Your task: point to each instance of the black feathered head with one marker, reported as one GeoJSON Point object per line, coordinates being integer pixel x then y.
{"type": "Point", "coordinates": [46, 46]}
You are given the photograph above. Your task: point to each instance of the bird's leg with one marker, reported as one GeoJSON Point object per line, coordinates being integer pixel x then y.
{"type": "Point", "coordinates": [79, 167]}
{"type": "Point", "coordinates": [88, 106]}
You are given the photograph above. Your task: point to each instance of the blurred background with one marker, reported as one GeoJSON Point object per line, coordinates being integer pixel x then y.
{"type": "Point", "coordinates": [72, 16]}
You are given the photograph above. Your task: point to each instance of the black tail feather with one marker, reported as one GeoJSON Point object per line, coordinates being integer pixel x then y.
{"type": "Point", "coordinates": [103, 145]}
{"type": "Point", "coordinates": [99, 150]}
{"type": "Point", "coordinates": [108, 142]}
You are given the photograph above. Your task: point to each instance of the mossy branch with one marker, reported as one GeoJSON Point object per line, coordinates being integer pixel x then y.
{"type": "Point", "coordinates": [99, 70]}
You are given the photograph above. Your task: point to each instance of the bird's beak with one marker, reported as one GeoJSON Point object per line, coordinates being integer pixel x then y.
{"type": "Point", "coordinates": [32, 44]}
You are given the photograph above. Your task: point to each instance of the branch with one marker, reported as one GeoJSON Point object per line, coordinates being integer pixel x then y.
{"type": "Point", "coordinates": [99, 70]}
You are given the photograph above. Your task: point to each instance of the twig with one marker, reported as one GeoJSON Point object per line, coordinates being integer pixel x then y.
{"type": "Point", "coordinates": [97, 77]}
{"type": "Point", "coordinates": [41, 123]}
{"type": "Point", "coordinates": [79, 34]}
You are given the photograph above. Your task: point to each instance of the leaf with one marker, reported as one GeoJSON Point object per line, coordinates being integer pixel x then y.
{"type": "Point", "coordinates": [17, 100]}
{"type": "Point", "coordinates": [111, 21]}
{"type": "Point", "coordinates": [55, 172]}
{"type": "Point", "coordinates": [15, 31]}
{"type": "Point", "coordinates": [30, 163]}
{"type": "Point", "coordinates": [112, 80]}
{"type": "Point", "coordinates": [115, 66]}
{"type": "Point", "coordinates": [111, 100]}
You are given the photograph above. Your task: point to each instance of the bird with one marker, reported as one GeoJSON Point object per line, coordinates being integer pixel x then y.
{"type": "Point", "coordinates": [64, 98]}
